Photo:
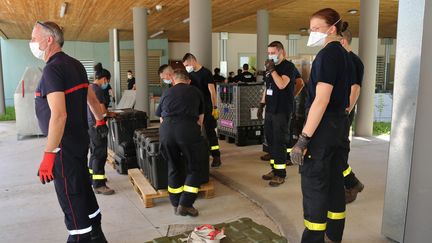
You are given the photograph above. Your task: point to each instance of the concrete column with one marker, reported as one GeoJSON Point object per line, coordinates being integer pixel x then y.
{"type": "Point", "coordinates": [115, 61]}
{"type": "Point", "coordinates": [200, 31]}
{"type": "Point", "coordinates": [368, 38]}
{"type": "Point", "coordinates": [262, 41]}
{"type": "Point", "coordinates": [2, 95]}
{"type": "Point", "coordinates": [140, 53]}
{"type": "Point", "coordinates": [223, 65]}
{"type": "Point", "coordinates": [408, 196]}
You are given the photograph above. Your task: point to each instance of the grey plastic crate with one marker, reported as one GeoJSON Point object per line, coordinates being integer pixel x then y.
{"type": "Point", "coordinates": [237, 103]}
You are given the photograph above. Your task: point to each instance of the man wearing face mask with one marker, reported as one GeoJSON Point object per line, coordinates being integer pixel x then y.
{"type": "Point", "coordinates": [98, 144]}
{"type": "Point", "coordinates": [130, 80]}
{"type": "Point", "coordinates": [166, 74]}
{"type": "Point", "coordinates": [278, 98]}
{"type": "Point", "coordinates": [61, 99]}
{"type": "Point", "coordinates": [202, 78]}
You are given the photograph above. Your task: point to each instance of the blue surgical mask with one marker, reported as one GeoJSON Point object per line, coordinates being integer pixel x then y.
{"type": "Point", "coordinates": [167, 81]}
{"type": "Point", "coordinates": [274, 57]}
{"type": "Point", "coordinates": [104, 86]}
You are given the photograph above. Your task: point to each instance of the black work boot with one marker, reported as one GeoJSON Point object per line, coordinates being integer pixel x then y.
{"type": "Point", "coordinates": [276, 181]}
{"type": "Point", "coordinates": [97, 236]}
{"type": "Point", "coordinates": [216, 162]}
{"type": "Point", "coordinates": [184, 211]}
{"type": "Point", "coordinates": [268, 176]}
{"type": "Point", "coordinates": [266, 157]}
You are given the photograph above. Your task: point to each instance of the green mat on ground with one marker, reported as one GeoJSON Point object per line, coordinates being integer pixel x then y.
{"type": "Point", "coordinates": [243, 230]}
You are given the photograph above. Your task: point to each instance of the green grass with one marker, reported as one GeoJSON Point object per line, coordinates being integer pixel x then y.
{"type": "Point", "coordinates": [380, 128]}
{"type": "Point", "coordinates": [9, 115]}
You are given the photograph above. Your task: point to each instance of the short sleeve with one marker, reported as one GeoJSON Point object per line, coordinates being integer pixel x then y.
{"type": "Point", "coordinates": [52, 80]}
{"type": "Point", "coordinates": [360, 71]}
{"type": "Point", "coordinates": [327, 68]}
{"type": "Point", "coordinates": [296, 73]}
{"type": "Point", "coordinates": [209, 77]}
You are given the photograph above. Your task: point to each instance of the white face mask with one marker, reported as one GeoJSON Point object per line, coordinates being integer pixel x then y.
{"type": "Point", "coordinates": [274, 57]}
{"type": "Point", "coordinates": [37, 52]}
{"type": "Point", "coordinates": [189, 69]}
{"type": "Point", "coordinates": [167, 81]}
{"type": "Point", "coordinates": [318, 39]}
{"type": "Point", "coordinates": [129, 76]}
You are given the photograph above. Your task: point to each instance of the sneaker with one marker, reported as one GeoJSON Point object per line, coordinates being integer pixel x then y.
{"type": "Point", "coordinates": [104, 190]}
{"type": "Point", "coordinates": [268, 176]}
{"type": "Point", "coordinates": [351, 194]}
{"type": "Point", "coordinates": [266, 157]}
{"type": "Point", "coordinates": [276, 181]}
{"type": "Point", "coordinates": [184, 211]}
{"type": "Point", "coordinates": [216, 162]}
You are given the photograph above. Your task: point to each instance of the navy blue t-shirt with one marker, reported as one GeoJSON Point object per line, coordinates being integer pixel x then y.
{"type": "Point", "coordinates": [281, 100]}
{"type": "Point", "coordinates": [100, 94]}
{"type": "Point", "coordinates": [181, 100]}
{"type": "Point", "coordinates": [358, 69]}
{"type": "Point", "coordinates": [332, 65]}
{"type": "Point", "coordinates": [63, 73]}
{"type": "Point", "coordinates": [201, 79]}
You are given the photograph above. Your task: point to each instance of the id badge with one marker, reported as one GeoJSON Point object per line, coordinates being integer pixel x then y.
{"type": "Point", "coordinates": [270, 92]}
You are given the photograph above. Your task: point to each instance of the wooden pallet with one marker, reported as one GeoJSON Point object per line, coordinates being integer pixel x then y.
{"type": "Point", "coordinates": [147, 193]}
{"type": "Point", "coordinates": [110, 159]}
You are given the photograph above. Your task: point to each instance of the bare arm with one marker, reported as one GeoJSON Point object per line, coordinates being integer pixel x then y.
{"type": "Point", "coordinates": [201, 120]}
{"type": "Point", "coordinates": [212, 90]}
{"type": "Point", "coordinates": [263, 96]}
{"type": "Point", "coordinates": [57, 122]}
{"type": "Point", "coordinates": [94, 105]}
{"type": "Point", "coordinates": [280, 81]}
{"type": "Point", "coordinates": [319, 105]}
{"type": "Point", "coordinates": [355, 93]}
{"type": "Point", "coordinates": [299, 85]}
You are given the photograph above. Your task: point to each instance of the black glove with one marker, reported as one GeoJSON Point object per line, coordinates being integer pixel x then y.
{"type": "Point", "coordinates": [260, 111]}
{"type": "Point", "coordinates": [269, 65]}
{"type": "Point", "coordinates": [299, 149]}
{"type": "Point", "coordinates": [101, 129]}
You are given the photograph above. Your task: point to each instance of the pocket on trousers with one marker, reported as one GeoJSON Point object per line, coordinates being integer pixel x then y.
{"type": "Point", "coordinates": [314, 164]}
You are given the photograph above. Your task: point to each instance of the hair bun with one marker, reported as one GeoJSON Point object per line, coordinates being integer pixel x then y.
{"type": "Point", "coordinates": [344, 26]}
{"type": "Point", "coordinates": [98, 67]}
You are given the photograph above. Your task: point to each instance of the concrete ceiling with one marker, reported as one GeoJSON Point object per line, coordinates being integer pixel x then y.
{"type": "Point", "coordinates": [90, 20]}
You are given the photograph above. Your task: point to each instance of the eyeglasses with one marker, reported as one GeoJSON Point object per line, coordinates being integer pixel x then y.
{"type": "Point", "coordinates": [45, 26]}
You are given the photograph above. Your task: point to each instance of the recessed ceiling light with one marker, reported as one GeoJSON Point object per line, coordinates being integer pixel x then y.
{"type": "Point", "coordinates": [353, 11]}
{"type": "Point", "coordinates": [303, 29]}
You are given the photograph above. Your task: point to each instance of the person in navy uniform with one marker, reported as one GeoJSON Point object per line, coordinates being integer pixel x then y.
{"type": "Point", "coordinates": [202, 78]}
{"type": "Point", "coordinates": [61, 109]}
{"type": "Point", "coordinates": [352, 184]}
{"type": "Point", "coordinates": [246, 76]}
{"type": "Point", "coordinates": [181, 111]}
{"type": "Point", "coordinates": [320, 146]}
{"type": "Point", "coordinates": [278, 98]}
{"type": "Point", "coordinates": [98, 144]}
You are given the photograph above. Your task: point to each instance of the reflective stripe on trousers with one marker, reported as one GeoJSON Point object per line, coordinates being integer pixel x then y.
{"type": "Point", "coordinates": [216, 147]}
{"type": "Point", "coordinates": [175, 190]}
{"type": "Point", "coordinates": [335, 216]}
{"type": "Point", "coordinates": [315, 226]}
{"type": "Point", "coordinates": [80, 231]}
{"type": "Point", "coordinates": [98, 177]}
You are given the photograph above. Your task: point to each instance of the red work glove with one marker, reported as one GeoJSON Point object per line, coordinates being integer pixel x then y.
{"type": "Point", "coordinates": [45, 172]}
